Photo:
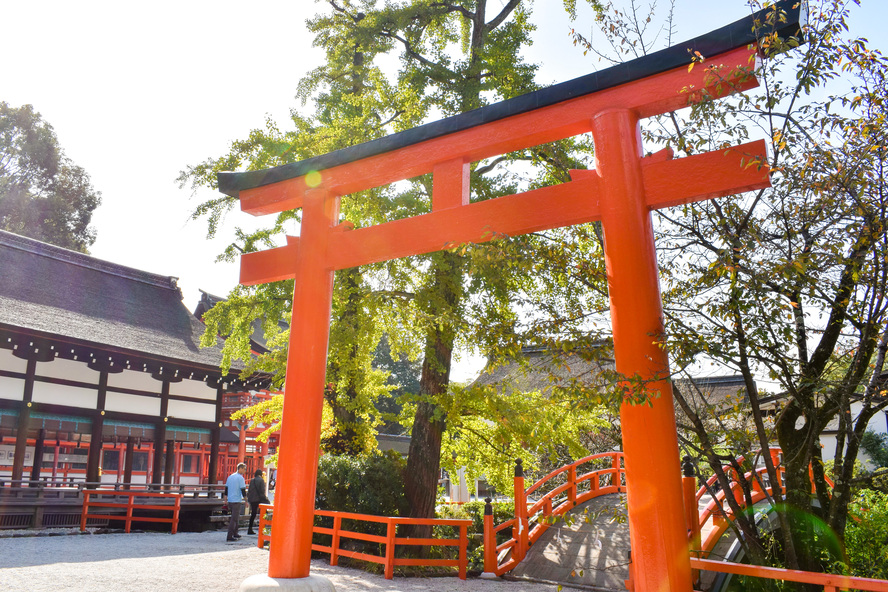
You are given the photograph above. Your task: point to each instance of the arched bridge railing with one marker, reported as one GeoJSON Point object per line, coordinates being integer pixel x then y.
{"type": "Point", "coordinates": [565, 488]}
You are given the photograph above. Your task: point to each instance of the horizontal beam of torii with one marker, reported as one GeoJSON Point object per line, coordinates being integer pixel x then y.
{"type": "Point", "coordinates": [620, 192]}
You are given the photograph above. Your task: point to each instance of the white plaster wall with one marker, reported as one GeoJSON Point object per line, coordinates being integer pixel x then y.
{"type": "Point", "coordinates": [68, 370]}
{"type": "Point", "coordinates": [140, 381]}
{"type": "Point", "coordinates": [60, 394]}
{"type": "Point", "coordinates": [189, 410]}
{"type": "Point", "coordinates": [12, 388]}
{"type": "Point", "coordinates": [12, 363]}
{"type": "Point", "coordinates": [193, 388]}
{"type": "Point", "coordinates": [132, 404]}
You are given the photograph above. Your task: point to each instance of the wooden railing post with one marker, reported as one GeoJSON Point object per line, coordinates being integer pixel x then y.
{"type": "Point", "coordinates": [489, 541]}
{"type": "Point", "coordinates": [572, 479]}
{"type": "Point", "coordinates": [177, 506]}
{"type": "Point", "coordinates": [618, 478]}
{"type": "Point", "coordinates": [390, 550]}
{"type": "Point", "coordinates": [85, 511]}
{"type": "Point", "coordinates": [334, 549]}
{"type": "Point", "coordinates": [129, 513]}
{"type": "Point", "coordinates": [519, 531]}
{"type": "Point", "coordinates": [692, 517]}
{"type": "Point", "coordinates": [463, 551]}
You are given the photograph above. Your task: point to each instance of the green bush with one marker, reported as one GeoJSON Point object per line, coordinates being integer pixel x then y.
{"type": "Point", "coordinates": [372, 484]}
{"type": "Point", "coordinates": [866, 535]}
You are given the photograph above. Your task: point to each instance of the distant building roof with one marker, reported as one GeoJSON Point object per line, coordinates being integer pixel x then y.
{"type": "Point", "coordinates": [540, 369]}
{"type": "Point", "coordinates": [53, 292]}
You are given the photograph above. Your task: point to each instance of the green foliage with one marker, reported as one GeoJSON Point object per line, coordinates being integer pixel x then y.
{"type": "Point", "coordinates": [371, 484]}
{"type": "Point", "coordinates": [866, 536]}
{"type": "Point", "coordinates": [876, 445]}
{"type": "Point", "coordinates": [43, 195]}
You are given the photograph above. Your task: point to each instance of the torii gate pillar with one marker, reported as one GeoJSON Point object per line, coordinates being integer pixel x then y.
{"type": "Point", "coordinates": [650, 443]}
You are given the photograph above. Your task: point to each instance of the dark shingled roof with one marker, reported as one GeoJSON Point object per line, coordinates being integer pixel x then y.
{"type": "Point", "coordinates": [48, 290]}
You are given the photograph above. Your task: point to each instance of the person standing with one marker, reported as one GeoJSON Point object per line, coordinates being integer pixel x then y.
{"type": "Point", "coordinates": [256, 495]}
{"type": "Point", "coordinates": [235, 491]}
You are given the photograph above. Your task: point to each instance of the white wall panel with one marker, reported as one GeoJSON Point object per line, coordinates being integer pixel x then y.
{"type": "Point", "coordinates": [189, 410]}
{"type": "Point", "coordinates": [132, 404]}
{"type": "Point", "coordinates": [140, 381]}
{"type": "Point", "coordinates": [60, 394]}
{"type": "Point", "coordinates": [68, 370]}
{"type": "Point", "coordinates": [193, 388]}
{"type": "Point", "coordinates": [12, 363]}
{"type": "Point", "coordinates": [12, 388]}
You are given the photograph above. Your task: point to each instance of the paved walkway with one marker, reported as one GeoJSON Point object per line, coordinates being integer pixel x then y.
{"type": "Point", "coordinates": [185, 562]}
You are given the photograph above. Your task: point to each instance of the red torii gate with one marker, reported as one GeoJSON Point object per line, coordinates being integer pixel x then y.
{"type": "Point", "coordinates": [620, 192]}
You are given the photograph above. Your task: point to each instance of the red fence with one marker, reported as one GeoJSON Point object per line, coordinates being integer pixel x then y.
{"type": "Point", "coordinates": [129, 505]}
{"type": "Point", "coordinates": [390, 539]}
{"type": "Point", "coordinates": [576, 489]}
{"type": "Point", "coordinates": [830, 582]}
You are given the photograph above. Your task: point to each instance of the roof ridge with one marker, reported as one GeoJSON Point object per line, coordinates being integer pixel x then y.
{"type": "Point", "coordinates": [43, 249]}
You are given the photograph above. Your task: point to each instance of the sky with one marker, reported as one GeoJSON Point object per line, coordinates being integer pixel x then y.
{"type": "Point", "coordinates": [137, 92]}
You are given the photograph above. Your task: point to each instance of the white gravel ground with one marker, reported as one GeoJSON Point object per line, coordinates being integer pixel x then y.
{"type": "Point", "coordinates": [184, 562]}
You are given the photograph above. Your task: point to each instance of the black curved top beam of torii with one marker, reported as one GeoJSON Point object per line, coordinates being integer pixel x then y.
{"type": "Point", "coordinates": [737, 34]}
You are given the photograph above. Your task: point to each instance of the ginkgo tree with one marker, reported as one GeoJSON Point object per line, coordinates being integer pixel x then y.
{"type": "Point", "coordinates": [493, 298]}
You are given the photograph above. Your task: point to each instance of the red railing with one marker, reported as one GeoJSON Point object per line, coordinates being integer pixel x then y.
{"type": "Point", "coordinates": [129, 506]}
{"type": "Point", "coordinates": [390, 540]}
{"type": "Point", "coordinates": [576, 489]}
{"type": "Point", "coordinates": [830, 582]}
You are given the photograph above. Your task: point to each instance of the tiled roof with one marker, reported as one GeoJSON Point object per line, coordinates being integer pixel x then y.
{"type": "Point", "coordinates": [56, 292]}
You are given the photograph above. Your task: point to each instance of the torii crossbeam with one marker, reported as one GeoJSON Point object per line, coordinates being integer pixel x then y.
{"type": "Point", "coordinates": [620, 192]}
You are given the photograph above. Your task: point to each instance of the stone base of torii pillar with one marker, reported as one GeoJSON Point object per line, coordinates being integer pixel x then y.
{"type": "Point", "coordinates": [264, 583]}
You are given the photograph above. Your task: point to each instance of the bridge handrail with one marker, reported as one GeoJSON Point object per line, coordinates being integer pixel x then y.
{"type": "Point", "coordinates": [530, 521]}
{"type": "Point", "coordinates": [830, 582]}
{"type": "Point", "coordinates": [390, 539]}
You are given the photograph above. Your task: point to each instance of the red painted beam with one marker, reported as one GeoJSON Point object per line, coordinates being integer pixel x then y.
{"type": "Point", "coordinates": [549, 207]}
{"type": "Point", "coordinates": [719, 76]}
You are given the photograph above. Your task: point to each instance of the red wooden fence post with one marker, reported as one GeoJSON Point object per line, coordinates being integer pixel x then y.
{"type": "Point", "coordinates": [390, 550]}
{"type": "Point", "coordinates": [489, 539]}
{"type": "Point", "coordinates": [692, 516]}
{"type": "Point", "coordinates": [334, 549]}
{"type": "Point", "coordinates": [519, 531]}
{"type": "Point", "coordinates": [463, 551]}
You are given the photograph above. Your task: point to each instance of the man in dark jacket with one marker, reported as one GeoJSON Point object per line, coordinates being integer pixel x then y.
{"type": "Point", "coordinates": [256, 495]}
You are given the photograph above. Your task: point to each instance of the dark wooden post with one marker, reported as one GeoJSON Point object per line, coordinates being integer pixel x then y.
{"type": "Point", "coordinates": [128, 463]}
{"type": "Point", "coordinates": [94, 456]}
{"type": "Point", "coordinates": [21, 435]}
{"type": "Point", "coordinates": [170, 461]}
{"type": "Point", "coordinates": [38, 457]}
{"type": "Point", "coordinates": [160, 437]}
{"type": "Point", "coordinates": [215, 435]}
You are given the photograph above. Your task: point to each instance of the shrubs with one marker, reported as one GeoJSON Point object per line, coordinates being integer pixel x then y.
{"type": "Point", "coordinates": [866, 535]}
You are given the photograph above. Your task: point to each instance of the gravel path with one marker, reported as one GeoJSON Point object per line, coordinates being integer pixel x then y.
{"type": "Point", "coordinates": [186, 562]}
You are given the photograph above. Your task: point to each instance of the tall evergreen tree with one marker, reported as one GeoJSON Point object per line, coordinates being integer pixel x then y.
{"type": "Point", "coordinates": [43, 195]}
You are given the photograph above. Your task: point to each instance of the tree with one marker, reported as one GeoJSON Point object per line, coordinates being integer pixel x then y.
{"type": "Point", "coordinates": [454, 57]}
{"type": "Point", "coordinates": [787, 284]}
{"type": "Point", "coordinates": [43, 195]}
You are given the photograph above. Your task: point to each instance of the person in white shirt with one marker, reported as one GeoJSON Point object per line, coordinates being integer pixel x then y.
{"type": "Point", "coordinates": [235, 492]}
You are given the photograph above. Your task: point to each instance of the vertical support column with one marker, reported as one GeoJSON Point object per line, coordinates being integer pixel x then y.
{"type": "Point", "coordinates": [656, 512]}
{"type": "Point", "coordinates": [300, 438]}
{"type": "Point", "coordinates": [170, 461]}
{"type": "Point", "coordinates": [94, 455]}
{"type": "Point", "coordinates": [215, 437]}
{"type": "Point", "coordinates": [160, 437]}
{"type": "Point", "coordinates": [24, 422]}
{"type": "Point", "coordinates": [128, 462]}
{"type": "Point", "coordinates": [38, 456]}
